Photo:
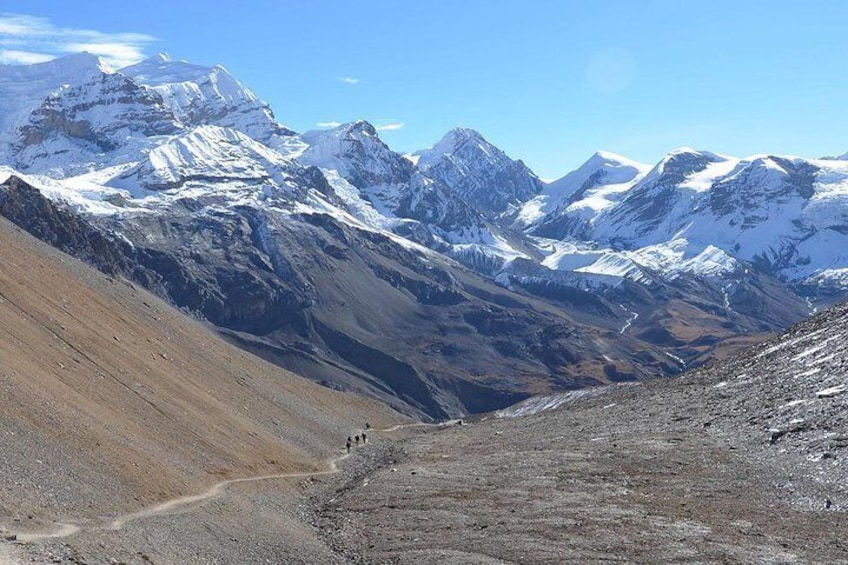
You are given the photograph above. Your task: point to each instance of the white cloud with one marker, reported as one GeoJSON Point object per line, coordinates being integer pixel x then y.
{"type": "Point", "coordinates": [15, 57]}
{"type": "Point", "coordinates": [393, 126]}
{"type": "Point", "coordinates": [349, 80]}
{"type": "Point", "coordinates": [330, 124]}
{"type": "Point", "coordinates": [37, 39]}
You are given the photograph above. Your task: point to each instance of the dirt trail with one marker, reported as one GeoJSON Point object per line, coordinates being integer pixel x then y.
{"type": "Point", "coordinates": [214, 492]}
{"type": "Point", "coordinates": [65, 530]}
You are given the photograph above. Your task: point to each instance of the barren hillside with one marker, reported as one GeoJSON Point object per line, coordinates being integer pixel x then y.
{"type": "Point", "coordinates": [742, 461]}
{"type": "Point", "coordinates": [112, 400]}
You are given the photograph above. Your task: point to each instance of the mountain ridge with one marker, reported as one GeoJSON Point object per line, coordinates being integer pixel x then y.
{"type": "Point", "coordinates": [615, 248]}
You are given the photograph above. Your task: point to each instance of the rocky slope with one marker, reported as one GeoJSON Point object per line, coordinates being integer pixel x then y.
{"type": "Point", "coordinates": [480, 173]}
{"type": "Point", "coordinates": [743, 461]}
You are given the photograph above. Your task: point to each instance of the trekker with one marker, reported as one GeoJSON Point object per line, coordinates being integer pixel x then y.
{"type": "Point", "coordinates": [357, 440]}
{"type": "Point", "coordinates": [364, 438]}
{"type": "Point", "coordinates": [367, 426]}
{"type": "Point", "coordinates": [347, 445]}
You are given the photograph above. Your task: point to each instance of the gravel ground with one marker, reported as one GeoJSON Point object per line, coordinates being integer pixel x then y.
{"type": "Point", "coordinates": [631, 476]}
{"type": "Point", "coordinates": [743, 461]}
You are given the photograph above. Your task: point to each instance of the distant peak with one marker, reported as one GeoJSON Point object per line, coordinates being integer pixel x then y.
{"type": "Point", "coordinates": [458, 136]}
{"type": "Point", "coordinates": [609, 160]}
{"type": "Point", "coordinates": [83, 60]}
{"type": "Point", "coordinates": [357, 129]}
{"type": "Point", "coordinates": [610, 157]}
{"type": "Point", "coordinates": [450, 142]}
{"type": "Point", "coordinates": [688, 151]}
{"type": "Point", "coordinates": [362, 126]}
{"type": "Point", "coordinates": [613, 167]}
{"type": "Point", "coordinates": [464, 133]}
{"type": "Point", "coordinates": [684, 149]}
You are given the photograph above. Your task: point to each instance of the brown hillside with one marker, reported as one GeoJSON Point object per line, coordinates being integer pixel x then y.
{"type": "Point", "coordinates": [110, 399]}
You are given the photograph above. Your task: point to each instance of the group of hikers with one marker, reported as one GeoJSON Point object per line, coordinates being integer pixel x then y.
{"type": "Point", "coordinates": [362, 436]}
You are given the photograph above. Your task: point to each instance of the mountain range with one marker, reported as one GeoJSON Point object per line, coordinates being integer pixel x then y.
{"type": "Point", "coordinates": [446, 281]}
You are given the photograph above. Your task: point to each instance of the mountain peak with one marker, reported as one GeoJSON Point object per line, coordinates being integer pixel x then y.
{"type": "Point", "coordinates": [603, 168]}
{"type": "Point", "coordinates": [161, 69]}
{"type": "Point", "coordinates": [77, 62]}
{"type": "Point", "coordinates": [357, 153]}
{"type": "Point", "coordinates": [356, 129]}
{"type": "Point", "coordinates": [200, 94]}
{"type": "Point", "coordinates": [607, 158]}
{"type": "Point", "coordinates": [451, 141]}
{"type": "Point", "coordinates": [689, 152]}
{"type": "Point", "coordinates": [482, 174]}
{"type": "Point", "coordinates": [464, 134]}
{"type": "Point", "coordinates": [359, 126]}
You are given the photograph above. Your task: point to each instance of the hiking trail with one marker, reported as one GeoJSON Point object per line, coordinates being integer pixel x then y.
{"type": "Point", "coordinates": [167, 507]}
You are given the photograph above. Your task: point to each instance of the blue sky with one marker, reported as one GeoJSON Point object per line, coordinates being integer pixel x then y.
{"type": "Point", "coordinates": [548, 81]}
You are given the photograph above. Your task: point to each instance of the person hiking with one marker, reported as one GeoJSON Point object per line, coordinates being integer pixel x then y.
{"type": "Point", "coordinates": [347, 445]}
{"type": "Point", "coordinates": [364, 438]}
{"type": "Point", "coordinates": [357, 440]}
{"type": "Point", "coordinates": [367, 426]}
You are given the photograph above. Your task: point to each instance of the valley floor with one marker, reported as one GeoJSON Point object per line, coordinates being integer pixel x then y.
{"type": "Point", "coordinates": [629, 474]}
{"type": "Point", "coordinates": [626, 477]}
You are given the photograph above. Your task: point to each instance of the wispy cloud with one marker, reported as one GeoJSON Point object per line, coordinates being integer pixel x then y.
{"type": "Point", "coordinates": [330, 124]}
{"type": "Point", "coordinates": [37, 39]}
{"type": "Point", "coordinates": [391, 126]}
{"type": "Point", "coordinates": [349, 80]}
{"type": "Point", "coordinates": [15, 57]}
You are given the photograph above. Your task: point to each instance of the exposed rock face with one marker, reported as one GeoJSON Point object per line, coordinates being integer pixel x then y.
{"type": "Point", "coordinates": [480, 173]}
{"type": "Point", "coordinates": [93, 118]}
{"type": "Point", "coordinates": [387, 179]}
{"type": "Point", "coordinates": [199, 95]}
{"type": "Point", "coordinates": [29, 209]}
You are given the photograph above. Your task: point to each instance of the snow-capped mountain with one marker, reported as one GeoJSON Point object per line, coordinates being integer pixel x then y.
{"type": "Point", "coordinates": [335, 255]}
{"type": "Point", "coordinates": [77, 126]}
{"type": "Point", "coordinates": [23, 88]}
{"type": "Point", "coordinates": [566, 206]}
{"type": "Point", "coordinates": [784, 214]}
{"type": "Point", "coordinates": [199, 95]}
{"type": "Point", "coordinates": [207, 155]}
{"type": "Point", "coordinates": [386, 190]}
{"type": "Point", "coordinates": [480, 173]}
{"type": "Point", "coordinates": [64, 115]}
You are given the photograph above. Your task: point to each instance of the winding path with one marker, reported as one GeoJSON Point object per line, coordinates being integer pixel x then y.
{"type": "Point", "coordinates": [65, 530]}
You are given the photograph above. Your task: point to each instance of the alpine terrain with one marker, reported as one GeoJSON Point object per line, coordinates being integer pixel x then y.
{"type": "Point", "coordinates": [445, 282]}
{"type": "Point", "coordinates": [204, 312]}
{"type": "Point", "coordinates": [743, 461]}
